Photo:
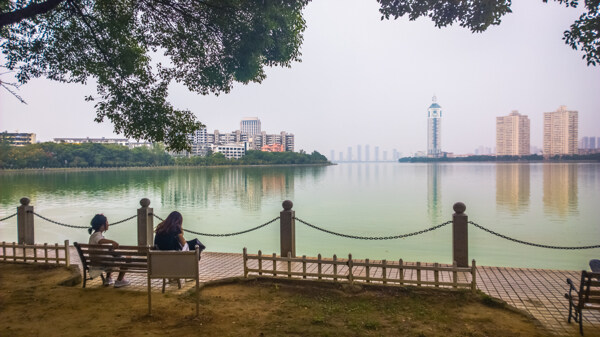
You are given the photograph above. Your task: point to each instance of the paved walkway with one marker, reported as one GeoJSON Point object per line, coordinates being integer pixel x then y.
{"type": "Point", "coordinates": [540, 292]}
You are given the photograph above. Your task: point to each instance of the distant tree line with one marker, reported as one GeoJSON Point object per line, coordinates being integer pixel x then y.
{"type": "Point", "coordinates": [56, 155]}
{"type": "Point", "coordinates": [253, 157]}
{"type": "Point", "coordinates": [47, 155]}
{"type": "Point", "coordinates": [533, 157]}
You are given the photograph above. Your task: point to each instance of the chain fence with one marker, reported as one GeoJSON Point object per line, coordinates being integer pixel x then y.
{"type": "Point", "coordinates": [79, 227]}
{"type": "Point", "coordinates": [334, 233]}
{"type": "Point", "coordinates": [530, 243]}
{"type": "Point", "coordinates": [232, 234]}
{"type": "Point", "coordinates": [8, 217]}
{"type": "Point", "coordinates": [375, 237]}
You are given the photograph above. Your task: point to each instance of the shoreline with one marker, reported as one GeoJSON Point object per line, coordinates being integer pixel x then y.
{"type": "Point", "coordinates": [146, 168]}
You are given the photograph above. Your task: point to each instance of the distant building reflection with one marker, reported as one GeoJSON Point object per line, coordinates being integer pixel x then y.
{"type": "Point", "coordinates": [245, 187]}
{"type": "Point", "coordinates": [513, 187]}
{"type": "Point", "coordinates": [560, 188]}
{"type": "Point", "coordinates": [434, 192]}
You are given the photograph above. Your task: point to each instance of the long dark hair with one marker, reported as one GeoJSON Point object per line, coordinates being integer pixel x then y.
{"type": "Point", "coordinates": [97, 222]}
{"type": "Point", "coordinates": [171, 225]}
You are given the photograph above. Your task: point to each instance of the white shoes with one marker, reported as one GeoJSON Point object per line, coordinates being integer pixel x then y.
{"type": "Point", "coordinates": [108, 281]}
{"type": "Point", "coordinates": [121, 283]}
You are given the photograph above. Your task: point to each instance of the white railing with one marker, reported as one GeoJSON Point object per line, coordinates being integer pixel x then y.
{"type": "Point", "coordinates": [38, 253]}
{"type": "Point", "coordinates": [366, 271]}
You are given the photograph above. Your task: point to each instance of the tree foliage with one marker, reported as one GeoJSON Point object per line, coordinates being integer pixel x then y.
{"type": "Point", "coordinates": [49, 155]}
{"type": "Point", "coordinates": [255, 158]}
{"type": "Point", "coordinates": [478, 15]}
{"type": "Point", "coordinates": [134, 49]}
{"type": "Point", "coordinates": [55, 155]}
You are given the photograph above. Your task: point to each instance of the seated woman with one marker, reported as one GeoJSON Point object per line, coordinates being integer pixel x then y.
{"type": "Point", "coordinates": [169, 235]}
{"type": "Point", "coordinates": [99, 225]}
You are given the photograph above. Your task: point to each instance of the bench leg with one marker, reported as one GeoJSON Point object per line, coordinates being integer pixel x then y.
{"type": "Point", "coordinates": [581, 322]}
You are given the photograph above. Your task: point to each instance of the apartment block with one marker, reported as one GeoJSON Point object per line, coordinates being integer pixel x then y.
{"type": "Point", "coordinates": [513, 135]}
{"type": "Point", "coordinates": [561, 129]}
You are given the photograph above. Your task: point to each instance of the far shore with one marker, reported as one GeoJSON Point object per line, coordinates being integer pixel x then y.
{"type": "Point", "coordinates": [146, 168]}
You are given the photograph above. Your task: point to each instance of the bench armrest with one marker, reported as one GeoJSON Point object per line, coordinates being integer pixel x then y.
{"type": "Point", "coordinates": [572, 287]}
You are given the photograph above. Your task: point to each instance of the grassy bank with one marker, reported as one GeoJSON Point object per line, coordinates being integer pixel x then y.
{"type": "Point", "coordinates": [33, 304]}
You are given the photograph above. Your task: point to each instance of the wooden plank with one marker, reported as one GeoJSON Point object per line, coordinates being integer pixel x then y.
{"type": "Point", "coordinates": [319, 266]}
{"type": "Point", "coordinates": [259, 261]}
{"type": "Point", "coordinates": [304, 266]}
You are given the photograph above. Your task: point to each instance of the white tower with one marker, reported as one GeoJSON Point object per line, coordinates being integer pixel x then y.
{"type": "Point", "coordinates": [434, 129]}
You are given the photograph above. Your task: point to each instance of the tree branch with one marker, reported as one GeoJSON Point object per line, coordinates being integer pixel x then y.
{"type": "Point", "coordinates": [27, 12]}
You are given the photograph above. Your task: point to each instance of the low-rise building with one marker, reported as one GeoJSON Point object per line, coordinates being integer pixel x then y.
{"type": "Point", "coordinates": [119, 141]}
{"type": "Point", "coordinates": [230, 151]}
{"type": "Point", "coordinates": [17, 138]}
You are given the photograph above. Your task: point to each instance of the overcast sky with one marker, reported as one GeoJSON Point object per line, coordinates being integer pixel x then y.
{"type": "Point", "coordinates": [367, 81]}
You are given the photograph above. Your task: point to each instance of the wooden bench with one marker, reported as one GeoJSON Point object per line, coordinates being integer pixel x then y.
{"type": "Point", "coordinates": [128, 259]}
{"type": "Point", "coordinates": [586, 296]}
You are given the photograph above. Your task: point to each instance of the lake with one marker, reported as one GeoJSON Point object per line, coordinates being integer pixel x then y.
{"type": "Point", "coordinates": [547, 203]}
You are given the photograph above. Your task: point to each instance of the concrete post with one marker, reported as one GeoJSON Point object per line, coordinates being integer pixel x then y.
{"type": "Point", "coordinates": [287, 229]}
{"type": "Point", "coordinates": [460, 236]}
{"type": "Point", "coordinates": [145, 218]}
{"type": "Point", "coordinates": [25, 222]}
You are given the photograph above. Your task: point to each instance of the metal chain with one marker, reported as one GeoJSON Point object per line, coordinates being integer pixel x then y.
{"type": "Point", "coordinates": [60, 224]}
{"type": "Point", "coordinates": [232, 234]}
{"type": "Point", "coordinates": [124, 220]}
{"type": "Point", "coordinates": [8, 217]}
{"type": "Point", "coordinates": [159, 218]}
{"type": "Point", "coordinates": [80, 227]}
{"type": "Point", "coordinates": [375, 237]}
{"type": "Point", "coordinates": [529, 243]}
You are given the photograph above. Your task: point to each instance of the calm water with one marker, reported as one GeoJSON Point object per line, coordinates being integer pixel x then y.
{"type": "Point", "coordinates": [556, 204]}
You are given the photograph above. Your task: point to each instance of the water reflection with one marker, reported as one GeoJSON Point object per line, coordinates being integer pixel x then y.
{"type": "Point", "coordinates": [513, 187]}
{"type": "Point", "coordinates": [560, 188]}
{"type": "Point", "coordinates": [246, 187]}
{"type": "Point", "coordinates": [31, 184]}
{"type": "Point", "coordinates": [434, 192]}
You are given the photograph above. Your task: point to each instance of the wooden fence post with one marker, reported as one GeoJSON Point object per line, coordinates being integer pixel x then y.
{"type": "Point", "coordinates": [145, 219]}
{"type": "Point", "coordinates": [25, 223]}
{"type": "Point", "coordinates": [287, 229]}
{"type": "Point", "coordinates": [460, 235]}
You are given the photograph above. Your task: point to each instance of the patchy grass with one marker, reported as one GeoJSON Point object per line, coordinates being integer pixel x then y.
{"type": "Point", "coordinates": [32, 304]}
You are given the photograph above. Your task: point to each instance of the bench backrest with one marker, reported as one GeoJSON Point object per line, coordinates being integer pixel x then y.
{"type": "Point", "coordinates": [173, 264]}
{"type": "Point", "coordinates": [123, 258]}
{"type": "Point", "coordinates": [589, 290]}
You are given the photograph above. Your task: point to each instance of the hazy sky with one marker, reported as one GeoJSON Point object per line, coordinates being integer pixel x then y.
{"type": "Point", "coordinates": [367, 81]}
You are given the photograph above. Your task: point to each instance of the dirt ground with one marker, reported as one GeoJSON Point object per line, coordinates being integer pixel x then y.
{"type": "Point", "coordinates": [32, 303]}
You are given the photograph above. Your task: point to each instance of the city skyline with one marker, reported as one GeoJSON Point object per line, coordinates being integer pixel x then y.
{"type": "Point", "coordinates": [363, 76]}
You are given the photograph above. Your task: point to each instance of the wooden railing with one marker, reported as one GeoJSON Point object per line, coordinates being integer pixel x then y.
{"type": "Point", "coordinates": [55, 254]}
{"type": "Point", "coordinates": [349, 270]}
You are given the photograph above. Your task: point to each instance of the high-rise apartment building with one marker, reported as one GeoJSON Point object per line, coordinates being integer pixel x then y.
{"type": "Point", "coordinates": [358, 153]}
{"type": "Point", "coordinates": [588, 143]}
{"type": "Point", "coordinates": [561, 129]}
{"type": "Point", "coordinates": [367, 153]}
{"type": "Point", "coordinates": [434, 129]}
{"type": "Point", "coordinates": [513, 135]}
{"type": "Point", "coordinates": [250, 126]}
